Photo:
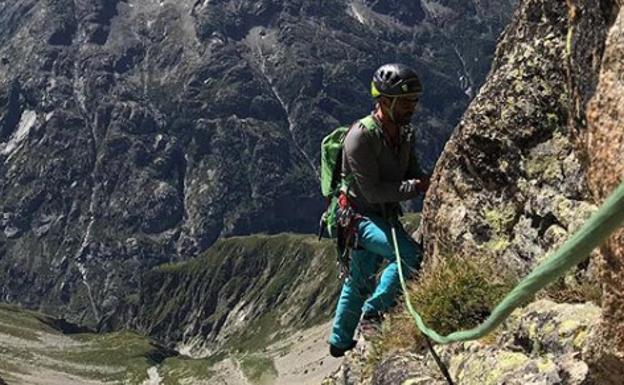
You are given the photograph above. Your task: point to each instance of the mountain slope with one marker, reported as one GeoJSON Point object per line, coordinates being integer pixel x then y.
{"type": "Point", "coordinates": [36, 349]}
{"type": "Point", "coordinates": [242, 294]}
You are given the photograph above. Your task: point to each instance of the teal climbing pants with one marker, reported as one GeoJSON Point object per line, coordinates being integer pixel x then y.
{"type": "Point", "coordinates": [361, 292]}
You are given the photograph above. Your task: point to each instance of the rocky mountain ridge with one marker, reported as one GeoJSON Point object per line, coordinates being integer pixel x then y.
{"type": "Point", "coordinates": [243, 294]}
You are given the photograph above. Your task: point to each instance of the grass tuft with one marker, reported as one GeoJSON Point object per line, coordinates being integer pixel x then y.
{"type": "Point", "coordinates": [455, 295]}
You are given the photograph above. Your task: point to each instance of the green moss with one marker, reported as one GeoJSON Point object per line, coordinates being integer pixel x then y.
{"type": "Point", "coordinates": [506, 362]}
{"type": "Point", "coordinates": [545, 365]}
{"type": "Point", "coordinates": [553, 120]}
{"type": "Point", "coordinates": [546, 329]}
{"type": "Point", "coordinates": [475, 371]}
{"type": "Point", "coordinates": [533, 331]}
{"type": "Point", "coordinates": [567, 327]}
{"type": "Point", "coordinates": [544, 167]}
{"type": "Point", "coordinates": [510, 360]}
{"type": "Point", "coordinates": [579, 340]}
{"type": "Point", "coordinates": [411, 221]}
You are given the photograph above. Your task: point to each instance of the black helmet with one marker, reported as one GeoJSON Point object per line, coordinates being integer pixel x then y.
{"type": "Point", "coordinates": [395, 80]}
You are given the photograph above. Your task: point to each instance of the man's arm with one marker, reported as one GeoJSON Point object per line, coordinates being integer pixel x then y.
{"type": "Point", "coordinates": [362, 158]}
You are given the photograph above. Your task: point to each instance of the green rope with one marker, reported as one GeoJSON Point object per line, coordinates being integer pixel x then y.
{"type": "Point", "coordinates": [593, 232]}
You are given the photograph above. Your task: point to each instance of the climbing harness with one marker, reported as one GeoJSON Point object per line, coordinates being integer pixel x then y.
{"type": "Point", "coordinates": [347, 235]}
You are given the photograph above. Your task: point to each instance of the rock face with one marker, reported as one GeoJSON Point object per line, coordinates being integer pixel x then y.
{"type": "Point", "coordinates": [510, 184]}
{"type": "Point", "coordinates": [541, 344]}
{"type": "Point", "coordinates": [578, 154]}
{"type": "Point", "coordinates": [604, 143]}
{"type": "Point", "coordinates": [134, 133]}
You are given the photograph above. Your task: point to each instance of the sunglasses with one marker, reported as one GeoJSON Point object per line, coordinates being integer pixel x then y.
{"type": "Point", "coordinates": [407, 100]}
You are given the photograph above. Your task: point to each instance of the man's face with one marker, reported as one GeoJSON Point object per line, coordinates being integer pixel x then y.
{"type": "Point", "coordinates": [403, 110]}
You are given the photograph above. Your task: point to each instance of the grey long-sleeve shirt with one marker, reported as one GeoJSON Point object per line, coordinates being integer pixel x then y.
{"type": "Point", "coordinates": [374, 170]}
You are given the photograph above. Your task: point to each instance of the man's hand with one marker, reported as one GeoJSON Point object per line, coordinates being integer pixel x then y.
{"type": "Point", "coordinates": [413, 185]}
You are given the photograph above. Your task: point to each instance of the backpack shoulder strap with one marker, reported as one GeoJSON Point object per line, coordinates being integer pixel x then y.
{"type": "Point", "coordinates": [369, 123]}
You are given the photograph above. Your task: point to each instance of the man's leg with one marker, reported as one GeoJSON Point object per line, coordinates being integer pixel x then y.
{"type": "Point", "coordinates": [356, 288]}
{"type": "Point", "coordinates": [376, 236]}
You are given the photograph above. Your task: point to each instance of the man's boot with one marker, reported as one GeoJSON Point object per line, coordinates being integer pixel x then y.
{"type": "Point", "coordinates": [339, 352]}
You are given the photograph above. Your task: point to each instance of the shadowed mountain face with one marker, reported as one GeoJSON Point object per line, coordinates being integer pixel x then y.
{"type": "Point", "coordinates": [134, 133]}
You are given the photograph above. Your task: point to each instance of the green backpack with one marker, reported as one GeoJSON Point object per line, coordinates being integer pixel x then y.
{"type": "Point", "coordinates": [332, 180]}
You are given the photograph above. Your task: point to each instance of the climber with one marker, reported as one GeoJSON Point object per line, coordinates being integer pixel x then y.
{"type": "Point", "coordinates": [379, 170]}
